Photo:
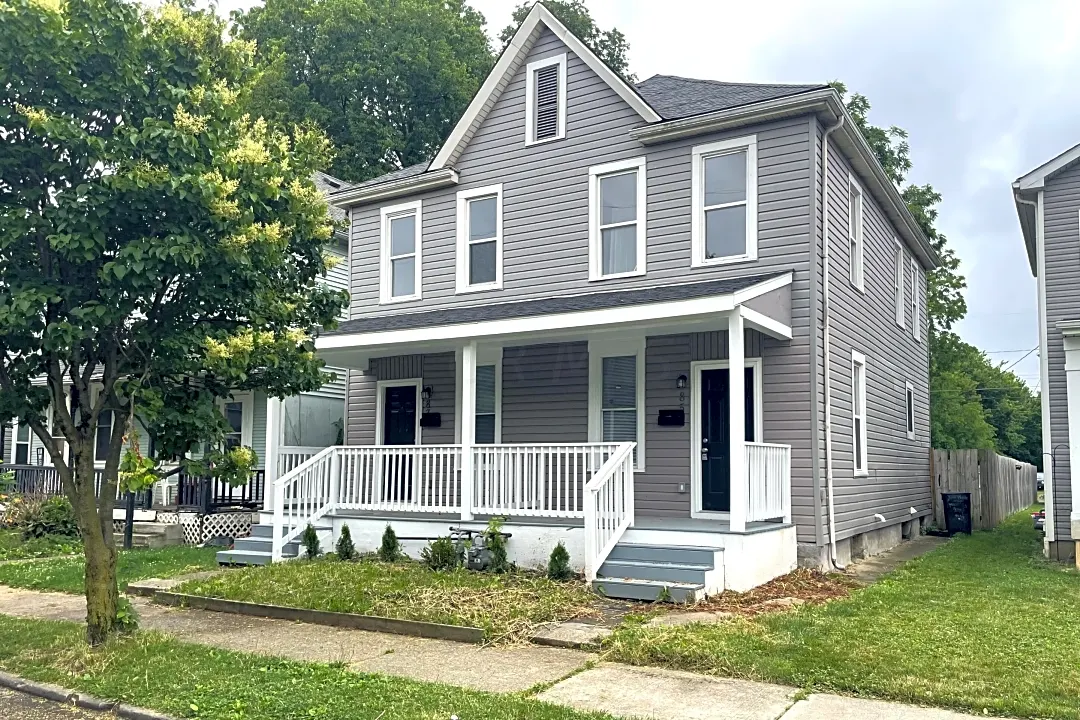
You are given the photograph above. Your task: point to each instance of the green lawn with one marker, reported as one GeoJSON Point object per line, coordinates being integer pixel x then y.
{"type": "Point", "coordinates": [194, 681]}
{"type": "Point", "coordinates": [505, 606]}
{"type": "Point", "coordinates": [983, 623]}
{"type": "Point", "coordinates": [66, 574]}
{"type": "Point", "coordinates": [13, 547]}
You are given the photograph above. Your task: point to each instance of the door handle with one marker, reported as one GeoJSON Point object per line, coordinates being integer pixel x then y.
{"type": "Point", "coordinates": [704, 454]}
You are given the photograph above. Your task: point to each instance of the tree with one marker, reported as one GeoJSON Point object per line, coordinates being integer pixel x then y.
{"type": "Point", "coordinates": [386, 80]}
{"type": "Point", "coordinates": [159, 249]}
{"type": "Point", "coordinates": [609, 45]}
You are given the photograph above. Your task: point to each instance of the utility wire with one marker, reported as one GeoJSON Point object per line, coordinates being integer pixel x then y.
{"type": "Point", "coordinates": [1024, 356]}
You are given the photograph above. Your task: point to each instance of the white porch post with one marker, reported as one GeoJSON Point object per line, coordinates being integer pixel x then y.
{"type": "Point", "coordinates": [468, 426]}
{"type": "Point", "coordinates": [273, 446]}
{"type": "Point", "coordinates": [737, 421]}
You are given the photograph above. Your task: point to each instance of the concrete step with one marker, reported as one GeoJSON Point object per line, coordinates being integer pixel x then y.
{"type": "Point", "coordinates": [143, 540]}
{"type": "Point", "coordinates": [651, 570]}
{"type": "Point", "coordinates": [649, 590]}
{"type": "Point", "coordinates": [677, 554]}
{"type": "Point", "coordinates": [265, 531]}
{"type": "Point", "coordinates": [243, 557]}
{"type": "Point", "coordinates": [265, 545]}
{"type": "Point", "coordinates": [173, 531]}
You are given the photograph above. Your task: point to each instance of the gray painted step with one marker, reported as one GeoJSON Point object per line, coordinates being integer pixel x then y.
{"type": "Point", "coordinates": [243, 557]}
{"type": "Point", "coordinates": [264, 545]}
{"type": "Point", "coordinates": [665, 553]}
{"type": "Point", "coordinates": [661, 571]}
{"type": "Point", "coordinates": [649, 590]}
{"type": "Point", "coordinates": [266, 531]}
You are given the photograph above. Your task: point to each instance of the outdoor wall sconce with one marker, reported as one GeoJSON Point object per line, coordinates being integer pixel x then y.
{"type": "Point", "coordinates": [427, 392]}
{"type": "Point", "coordinates": [680, 382]}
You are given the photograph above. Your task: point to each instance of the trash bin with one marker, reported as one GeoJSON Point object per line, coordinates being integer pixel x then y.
{"type": "Point", "coordinates": [957, 512]}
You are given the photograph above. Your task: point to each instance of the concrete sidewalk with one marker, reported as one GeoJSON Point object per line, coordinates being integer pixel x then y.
{"type": "Point", "coordinates": [617, 689]}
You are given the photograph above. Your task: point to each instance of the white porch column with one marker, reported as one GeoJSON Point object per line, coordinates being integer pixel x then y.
{"type": "Point", "coordinates": [468, 426]}
{"type": "Point", "coordinates": [1071, 332]}
{"type": "Point", "coordinates": [740, 491]}
{"type": "Point", "coordinates": [272, 448]}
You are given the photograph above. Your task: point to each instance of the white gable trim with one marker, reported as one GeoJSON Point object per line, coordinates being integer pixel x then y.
{"type": "Point", "coordinates": [509, 62]}
{"type": "Point", "coordinates": [1036, 179]}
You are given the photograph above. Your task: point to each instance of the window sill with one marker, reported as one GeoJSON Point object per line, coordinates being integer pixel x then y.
{"type": "Point", "coordinates": [617, 276]}
{"type": "Point", "coordinates": [911, 436]}
{"type": "Point", "coordinates": [861, 289]}
{"type": "Point", "coordinates": [396, 300]}
{"type": "Point", "coordinates": [861, 473]}
{"type": "Point", "coordinates": [733, 260]}
{"type": "Point", "coordinates": [530, 143]}
{"type": "Point", "coordinates": [478, 288]}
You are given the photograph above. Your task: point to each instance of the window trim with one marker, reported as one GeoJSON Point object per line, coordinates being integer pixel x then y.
{"type": "Point", "coordinates": [697, 223]}
{"type": "Point", "coordinates": [857, 261]}
{"type": "Point", "coordinates": [596, 248]}
{"type": "Point", "coordinates": [530, 98]}
{"type": "Point", "coordinates": [898, 285]}
{"type": "Point", "coordinates": [95, 394]}
{"type": "Point", "coordinates": [386, 285]}
{"type": "Point", "coordinates": [464, 197]}
{"type": "Point", "coordinates": [598, 350]}
{"type": "Point", "coordinates": [246, 398]}
{"type": "Point", "coordinates": [858, 359]}
{"type": "Point", "coordinates": [484, 358]}
{"type": "Point", "coordinates": [380, 402]}
{"type": "Point", "coordinates": [15, 442]}
{"type": "Point", "coordinates": [915, 320]}
{"type": "Point", "coordinates": [909, 410]}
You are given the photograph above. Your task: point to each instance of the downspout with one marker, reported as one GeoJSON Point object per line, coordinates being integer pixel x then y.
{"type": "Point", "coordinates": [826, 349]}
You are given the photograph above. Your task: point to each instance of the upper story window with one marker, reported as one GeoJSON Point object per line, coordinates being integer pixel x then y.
{"type": "Point", "coordinates": [617, 219]}
{"type": "Point", "coordinates": [858, 412]}
{"type": "Point", "coordinates": [479, 239]}
{"type": "Point", "coordinates": [724, 220]}
{"type": "Point", "coordinates": [916, 321]}
{"type": "Point", "coordinates": [400, 256]}
{"type": "Point", "coordinates": [909, 393]}
{"type": "Point", "coordinates": [855, 233]}
{"type": "Point", "coordinates": [898, 286]}
{"type": "Point", "coordinates": [545, 100]}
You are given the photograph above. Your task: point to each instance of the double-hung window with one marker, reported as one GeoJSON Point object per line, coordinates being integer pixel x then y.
{"type": "Point", "coordinates": [479, 239]}
{"type": "Point", "coordinates": [724, 201]}
{"type": "Point", "coordinates": [617, 394]}
{"type": "Point", "coordinates": [855, 233]}
{"type": "Point", "coordinates": [487, 404]}
{"type": "Point", "coordinates": [545, 100]}
{"type": "Point", "coordinates": [104, 435]}
{"type": "Point", "coordinates": [898, 286]}
{"type": "Point", "coordinates": [617, 219]}
{"type": "Point", "coordinates": [916, 321]}
{"type": "Point", "coordinates": [22, 444]}
{"type": "Point", "coordinates": [858, 412]}
{"type": "Point", "coordinates": [401, 256]}
{"type": "Point", "coordinates": [909, 396]}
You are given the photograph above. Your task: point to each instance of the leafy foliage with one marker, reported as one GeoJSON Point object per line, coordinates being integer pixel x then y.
{"type": "Point", "coordinates": [389, 548]}
{"type": "Point", "coordinates": [127, 618]}
{"type": "Point", "coordinates": [609, 45]}
{"type": "Point", "coordinates": [345, 550]}
{"type": "Point", "coordinates": [53, 516]}
{"type": "Point", "coordinates": [442, 554]}
{"type": "Point", "coordinates": [559, 563]}
{"type": "Point", "coordinates": [309, 538]}
{"type": "Point", "coordinates": [13, 546]}
{"type": "Point", "coordinates": [495, 542]}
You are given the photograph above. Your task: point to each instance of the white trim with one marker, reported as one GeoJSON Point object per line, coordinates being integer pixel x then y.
{"type": "Point", "coordinates": [464, 197]}
{"type": "Point", "coordinates": [1044, 366]}
{"type": "Point", "coordinates": [430, 180]}
{"type": "Point", "coordinates": [909, 410]}
{"type": "Point", "coordinates": [1036, 179]}
{"type": "Point", "coordinates": [761, 288]}
{"type": "Point", "coordinates": [900, 310]}
{"type": "Point", "coordinates": [380, 401]}
{"type": "Point", "coordinates": [766, 324]}
{"type": "Point", "coordinates": [530, 98]}
{"type": "Point", "coordinates": [493, 356]}
{"type": "Point", "coordinates": [596, 174]}
{"type": "Point", "coordinates": [916, 312]}
{"type": "Point", "coordinates": [15, 442]}
{"type": "Point", "coordinates": [699, 154]}
{"type": "Point", "coordinates": [696, 366]}
{"type": "Point", "coordinates": [246, 398]}
{"type": "Point", "coordinates": [859, 359]}
{"type": "Point", "coordinates": [386, 214]}
{"type": "Point", "coordinates": [598, 350]}
{"type": "Point", "coordinates": [856, 259]}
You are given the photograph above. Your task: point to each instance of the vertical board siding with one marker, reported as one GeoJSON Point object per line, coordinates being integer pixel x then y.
{"type": "Point", "coordinates": [545, 393]}
{"type": "Point", "coordinates": [998, 484]}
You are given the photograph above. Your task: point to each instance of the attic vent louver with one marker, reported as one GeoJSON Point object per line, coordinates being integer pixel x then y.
{"type": "Point", "coordinates": [547, 102]}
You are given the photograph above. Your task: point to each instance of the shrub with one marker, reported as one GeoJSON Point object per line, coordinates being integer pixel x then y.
{"type": "Point", "coordinates": [390, 549]}
{"type": "Point", "coordinates": [53, 516]}
{"type": "Point", "coordinates": [442, 554]}
{"type": "Point", "coordinates": [127, 619]}
{"type": "Point", "coordinates": [559, 563]}
{"type": "Point", "coordinates": [345, 548]}
{"type": "Point", "coordinates": [310, 540]}
{"type": "Point", "coordinates": [495, 542]}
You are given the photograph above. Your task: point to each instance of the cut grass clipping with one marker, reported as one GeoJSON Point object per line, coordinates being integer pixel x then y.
{"type": "Point", "coordinates": [982, 624]}
{"type": "Point", "coordinates": [66, 574]}
{"type": "Point", "coordinates": [192, 681]}
{"type": "Point", "coordinates": [507, 607]}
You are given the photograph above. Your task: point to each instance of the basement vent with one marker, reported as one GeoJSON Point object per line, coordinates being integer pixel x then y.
{"type": "Point", "coordinates": [547, 103]}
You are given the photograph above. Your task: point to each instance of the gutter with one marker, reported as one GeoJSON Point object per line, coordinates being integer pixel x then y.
{"type": "Point", "coordinates": [430, 180]}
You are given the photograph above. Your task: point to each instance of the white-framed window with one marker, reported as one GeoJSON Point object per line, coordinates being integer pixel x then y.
{"type": "Point", "coordinates": [617, 393]}
{"type": "Point", "coordinates": [617, 219]}
{"type": "Point", "coordinates": [104, 435]}
{"type": "Point", "coordinates": [238, 410]}
{"type": "Point", "coordinates": [489, 404]}
{"type": "Point", "coordinates": [898, 285]}
{"type": "Point", "coordinates": [916, 321]}
{"type": "Point", "coordinates": [909, 398]}
{"type": "Point", "coordinates": [724, 202]}
{"type": "Point", "coordinates": [400, 257]}
{"type": "Point", "coordinates": [545, 100]}
{"type": "Point", "coordinates": [22, 444]}
{"type": "Point", "coordinates": [479, 239]}
{"type": "Point", "coordinates": [855, 233]}
{"type": "Point", "coordinates": [858, 412]}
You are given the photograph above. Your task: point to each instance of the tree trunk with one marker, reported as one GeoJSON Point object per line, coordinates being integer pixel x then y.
{"type": "Point", "coordinates": [95, 525]}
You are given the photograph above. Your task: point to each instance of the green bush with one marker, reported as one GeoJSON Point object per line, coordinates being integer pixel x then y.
{"type": "Point", "coordinates": [345, 549]}
{"type": "Point", "coordinates": [127, 619]}
{"type": "Point", "coordinates": [495, 542]}
{"type": "Point", "coordinates": [442, 554]}
{"type": "Point", "coordinates": [310, 540]}
{"type": "Point", "coordinates": [559, 563]}
{"type": "Point", "coordinates": [390, 549]}
{"type": "Point", "coordinates": [54, 516]}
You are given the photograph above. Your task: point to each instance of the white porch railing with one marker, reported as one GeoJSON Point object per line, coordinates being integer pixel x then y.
{"type": "Point", "coordinates": [412, 478]}
{"type": "Point", "coordinates": [290, 457]}
{"type": "Point", "coordinates": [768, 469]}
{"type": "Point", "coordinates": [304, 495]}
{"type": "Point", "coordinates": [609, 507]}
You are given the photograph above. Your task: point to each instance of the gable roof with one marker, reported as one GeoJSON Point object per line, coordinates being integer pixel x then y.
{"type": "Point", "coordinates": [676, 97]}
{"type": "Point", "coordinates": [1026, 189]}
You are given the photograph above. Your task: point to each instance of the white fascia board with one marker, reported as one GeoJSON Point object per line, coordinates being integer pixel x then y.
{"type": "Point", "coordinates": [765, 286]}
{"type": "Point", "coordinates": [406, 186]}
{"type": "Point", "coordinates": [765, 324]}
{"type": "Point", "coordinates": [1036, 179]}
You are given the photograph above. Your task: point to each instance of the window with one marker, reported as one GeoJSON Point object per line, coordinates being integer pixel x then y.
{"type": "Point", "coordinates": [104, 435]}
{"type": "Point", "coordinates": [22, 444]}
{"type": "Point", "coordinates": [617, 394]}
{"type": "Point", "coordinates": [855, 233]}
{"type": "Point", "coordinates": [401, 244]}
{"type": "Point", "coordinates": [916, 321]}
{"type": "Point", "coordinates": [238, 416]}
{"type": "Point", "coordinates": [724, 220]}
{"type": "Point", "coordinates": [479, 239]}
{"type": "Point", "coordinates": [487, 403]}
{"type": "Point", "coordinates": [617, 219]}
{"type": "Point", "coordinates": [898, 286]}
{"type": "Point", "coordinates": [858, 411]}
{"type": "Point", "coordinates": [909, 393]}
{"type": "Point", "coordinates": [545, 100]}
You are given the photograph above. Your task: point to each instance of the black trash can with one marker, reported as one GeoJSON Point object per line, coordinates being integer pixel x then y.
{"type": "Point", "coordinates": [957, 512]}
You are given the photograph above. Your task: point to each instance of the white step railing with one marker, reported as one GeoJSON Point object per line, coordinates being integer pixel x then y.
{"type": "Point", "coordinates": [403, 478]}
{"type": "Point", "coordinates": [290, 457]}
{"type": "Point", "coordinates": [303, 495]}
{"type": "Point", "coordinates": [535, 480]}
{"type": "Point", "coordinates": [609, 507]}
{"type": "Point", "coordinates": [768, 469]}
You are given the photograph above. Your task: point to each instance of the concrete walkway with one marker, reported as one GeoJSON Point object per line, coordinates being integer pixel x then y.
{"type": "Point", "coordinates": [617, 689]}
{"type": "Point", "coordinates": [873, 568]}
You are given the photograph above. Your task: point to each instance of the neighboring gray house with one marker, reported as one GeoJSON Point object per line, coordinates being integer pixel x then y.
{"type": "Point", "coordinates": [543, 319]}
{"type": "Point", "coordinates": [1048, 203]}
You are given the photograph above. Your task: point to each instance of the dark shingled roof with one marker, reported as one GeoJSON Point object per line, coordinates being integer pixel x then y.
{"type": "Point", "coordinates": [329, 184]}
{"type": "Point", "coordinates": [677, 97]}
{"type": "Point", "coordinates": [548, 306]}
{"type": "Point", "coordinates": [401, 174]}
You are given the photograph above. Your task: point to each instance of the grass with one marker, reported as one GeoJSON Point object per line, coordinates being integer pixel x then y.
{"type": "Point", "coordinates": [13, 547]}
{"type": "Point", "coordinates": [193, 681]}
{"type": "Point", "coordinates": [66, 574]}
{"type": "Point", "coordinates": [505, 606]}
{"type": "Point", "coordinates": [983, 624]}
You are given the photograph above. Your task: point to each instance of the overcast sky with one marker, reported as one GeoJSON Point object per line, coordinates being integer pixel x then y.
{"type": "Point", "coordinates": [986, 89]}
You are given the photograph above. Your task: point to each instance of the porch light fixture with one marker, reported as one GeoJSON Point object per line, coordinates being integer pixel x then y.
{"type": "Point", "coordinates": [427, 392]}
{"type": "Point", "coordinates": [680, 382]}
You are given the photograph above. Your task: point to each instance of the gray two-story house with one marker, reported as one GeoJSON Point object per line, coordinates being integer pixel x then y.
{"type": "Point", "coordinates": [1048, 204]}
{"type": "Point", "coordinates": [545, 320]}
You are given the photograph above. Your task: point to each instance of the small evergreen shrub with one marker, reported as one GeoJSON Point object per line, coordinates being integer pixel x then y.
{"type": "Point", "coordinates": [390, 548]}
{"type": "Point", "coordinates": [310, 540]}
{"type": "Point", "coordinates": [345, 549]}
{"type": "Point", "coordinates": [54, 516]}
{"type": "Point", "coordinates": [441, 554]}
{"type": "Point", "coordinates": [559, 563]}
{"type": "Point", "coordinates": [495, 542]}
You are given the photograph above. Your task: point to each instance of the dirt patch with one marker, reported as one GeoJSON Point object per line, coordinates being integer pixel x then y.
{"type": "Point", "coordinates": [802, 587]}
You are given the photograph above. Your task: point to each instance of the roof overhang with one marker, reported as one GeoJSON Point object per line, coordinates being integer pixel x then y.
{"type": "Point", "coordinates": [1026, 201]}
{"type": "Point", "coordinates": [430, 180]}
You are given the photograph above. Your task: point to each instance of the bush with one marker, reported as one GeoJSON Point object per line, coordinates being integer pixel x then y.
{"type": "Point", "coordinates": [559, 563]}
{"type": "Point", "coordinates": [310, 540]}
{"type": "Point", "coordinates": [345, 548]}
{"type": "Point", "coordinates": [127, 619]}
{"type": "Point", "coordinates": [442, 554]}
{"type": "Point", "coordinates": [390, 549]}
{"type": "Point", "coordinates": [495, 542]}
{"type": "Point", "coordinates": [53, 516]}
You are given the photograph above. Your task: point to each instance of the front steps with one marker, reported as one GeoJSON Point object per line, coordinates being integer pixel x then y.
{"type": "Point", "coordinates": [671, 573]}
{"type": "Point", "coordinates": [152, 535]}
{"type": "Point", "coordinates": [256, 549]}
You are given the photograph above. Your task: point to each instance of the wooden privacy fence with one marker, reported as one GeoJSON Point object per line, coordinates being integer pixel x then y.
{"type": "Point", "coordinates": [999, 485]}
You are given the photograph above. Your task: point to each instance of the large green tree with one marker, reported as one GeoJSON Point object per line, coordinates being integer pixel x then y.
{"type": "Point", "coordinates": [385, 79]}
{"type": "Point", "coordinates": [609, 45]}
{"type": "Point", "coordinates": [159, 248]}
